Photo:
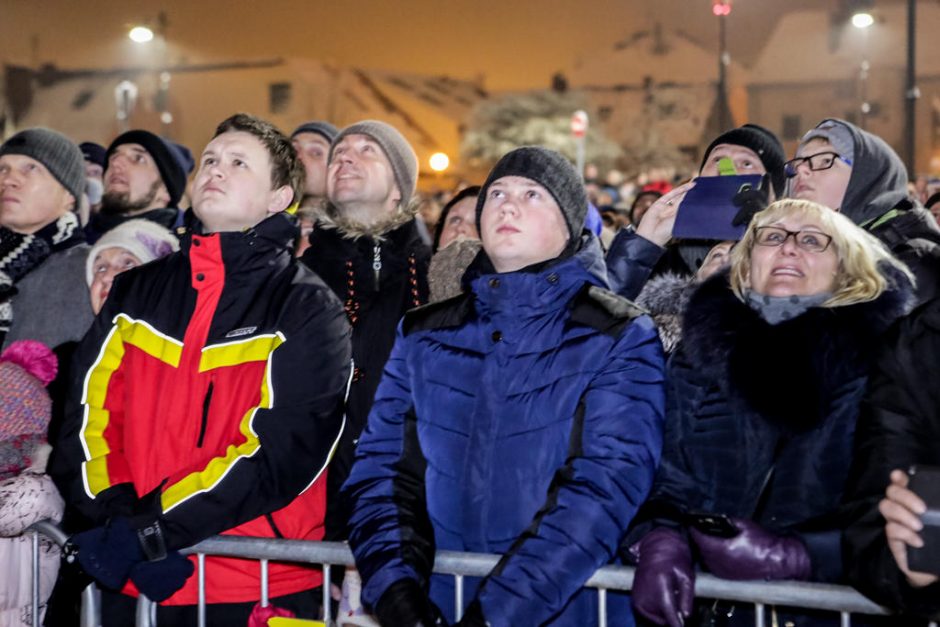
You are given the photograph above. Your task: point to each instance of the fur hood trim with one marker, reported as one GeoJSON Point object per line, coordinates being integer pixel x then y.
{"type": "Point", "coordinates": [328, 217]}
{"type": "Point", "coordinates": [788, 372]}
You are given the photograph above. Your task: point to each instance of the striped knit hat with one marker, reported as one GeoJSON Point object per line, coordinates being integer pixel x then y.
{"type": "Point", "coordinates": [26, 368]}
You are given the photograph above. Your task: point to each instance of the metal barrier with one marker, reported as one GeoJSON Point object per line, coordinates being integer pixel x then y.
{"type": "Point", "coordinates": [842, 600]}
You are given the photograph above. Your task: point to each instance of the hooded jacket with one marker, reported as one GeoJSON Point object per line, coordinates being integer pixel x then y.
{"type": "Point", "coordinates": [522, 417]}
{"type": "Point", "coordinates": [899, 426]}
{"type": "Point", "coordinates": [876, 200]}
{"type": "Point", "coordinates": [208, 395]}
{"type": "Point", "coordinates": [760, 417]}
{"type": "Point", "coordinates": [378, 275]}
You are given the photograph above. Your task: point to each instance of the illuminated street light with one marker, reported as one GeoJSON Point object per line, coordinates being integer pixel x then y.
{"type": "Point", "coordinates": [439, 161]}
{"type": "Point", "coordinates": [862, 19]}
{"type": "Point", "coordinates": [140, 34]}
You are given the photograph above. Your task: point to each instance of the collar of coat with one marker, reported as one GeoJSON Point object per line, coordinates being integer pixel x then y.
{"type": "Point", "coordinates": [269, 244]}
{"type": "Point", "coordinates": [791, 371]}
{"type": "Point", "coordinates": [329, 217]}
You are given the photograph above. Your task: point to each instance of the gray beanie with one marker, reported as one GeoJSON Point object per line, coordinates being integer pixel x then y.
{"type": "Point", "coordinates": [399, 152]}
{"type": "Point", "coordinates": [838, 136]}
{"type": "Point", "coordinates": [56, 152]}
{"type": "Point", "coordinates": [324, 129]}
{"type": "Point", "coordinates": [552, 171]}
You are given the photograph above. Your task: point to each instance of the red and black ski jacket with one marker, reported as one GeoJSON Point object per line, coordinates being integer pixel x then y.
{"type": "Point", "coordinates": [209, 393]}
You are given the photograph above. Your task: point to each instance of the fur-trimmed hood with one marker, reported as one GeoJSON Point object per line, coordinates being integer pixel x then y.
{"type": "Point", "coordinates": [329, 217]}
{"type": "Point", "coordinates": [788, 372]}
{"type": "Point", "coordinates": [665, 297]}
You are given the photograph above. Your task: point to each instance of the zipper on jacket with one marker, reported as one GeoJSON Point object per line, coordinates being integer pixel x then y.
{"type": "Point", "coordinates": [377, 264]}
{"type": "Point", "coordinates": [205, 415]}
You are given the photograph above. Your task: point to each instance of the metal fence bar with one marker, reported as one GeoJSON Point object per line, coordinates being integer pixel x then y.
{"type": "Point", "coordinates": [845, 619]}
{"type": "Point", "coordinates": [201, 610]}
{"type": "Point", "coordinates": [758, 615]}
{"type": "Point", "coordinates": [264, 583]}
{"type": "Point", "coordinates": [327, 599]}
{"type": "Point", "coordinates": [458, 596]}
{"type": "Point", "coordinates": [36, 591]}
{"type": "Point", "coordinates": [602, 607]}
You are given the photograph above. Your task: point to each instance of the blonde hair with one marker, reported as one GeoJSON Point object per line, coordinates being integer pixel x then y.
{"type": "Point", "coordinates": [858, 278]}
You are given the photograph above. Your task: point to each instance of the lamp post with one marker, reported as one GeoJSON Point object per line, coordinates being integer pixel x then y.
{"type": "Point", "coordinates": [722, 9]}
{"type": "Point", "coordinates": [911, 91]}
{"type": "Point", "coordinates": [144, 34]}
{"type": "Point", "coordinates": [862, 19]}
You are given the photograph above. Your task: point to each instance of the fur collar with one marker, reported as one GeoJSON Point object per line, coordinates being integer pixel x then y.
{"type": "Point", "coordinates": [329, 217]}
{"type": "Point", "coordinates": [788, 372]}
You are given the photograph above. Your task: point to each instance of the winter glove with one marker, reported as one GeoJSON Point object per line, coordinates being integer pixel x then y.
{"type": "Point", "coordinates": [664, 583]}
{"type": "Point", "coordinates": [473, 617]}
{"type": "Point", "coordinates": [108, 553]}
{"type": "Point", "coordinates": [750, 201]}
{"type": "Point", "coordinates": [754, 553]}
{"type": "Point", "coordinates": [158, 580]}
{"type": "Point", "coordinates": [405, 604]}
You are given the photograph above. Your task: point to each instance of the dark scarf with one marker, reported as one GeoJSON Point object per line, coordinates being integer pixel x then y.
{"type": "Point", "coordinates": [20, 254]}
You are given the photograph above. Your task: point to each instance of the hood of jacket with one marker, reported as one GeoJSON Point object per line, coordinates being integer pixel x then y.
{"type": "Point", "coordinates": [788, 372]}
{"type": "Point", "coordinates": [878, 182]}
{"type": "Point", "coordinates": [330, 217]}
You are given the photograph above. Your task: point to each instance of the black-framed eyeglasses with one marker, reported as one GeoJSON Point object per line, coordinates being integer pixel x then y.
{"type": "Point", "coordinates": [819, 161]}
{"type": "Point", "coordinates": [810, 241]}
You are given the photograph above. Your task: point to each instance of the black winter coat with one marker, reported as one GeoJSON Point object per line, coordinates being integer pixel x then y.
{"type": "Point", "coordinates": [899, 426]}
{"type": "Point", "coordinates": [375, 301]}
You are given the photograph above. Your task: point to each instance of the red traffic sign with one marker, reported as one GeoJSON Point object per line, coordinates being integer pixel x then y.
{"type": "Point", "coordinates": [579, 123]}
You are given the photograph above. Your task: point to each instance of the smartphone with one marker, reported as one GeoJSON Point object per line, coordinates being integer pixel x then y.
{"type": "Point", "coordinates": [717, 525]}
{"type": "Point", "coordinates": [708, 209]}
{"type": "Point", "coordinates": [925, 483]}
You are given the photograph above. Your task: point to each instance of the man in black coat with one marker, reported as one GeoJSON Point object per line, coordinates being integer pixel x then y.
{"type": "Point", "coordinates": [899, 427]}
{"type": "Point", "coordinates": [367, 248]}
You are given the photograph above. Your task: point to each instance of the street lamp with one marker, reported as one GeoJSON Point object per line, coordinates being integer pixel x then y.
{"type": "Point", "coordinates": [862, 19]}
{"type": "Point", "coordinates": [140, 34]}
{"type": "Point", "coordinates": [439, 162]}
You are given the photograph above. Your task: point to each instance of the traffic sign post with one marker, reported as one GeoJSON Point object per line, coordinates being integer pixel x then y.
{"type": "Point", "coordinates": [579, 126]}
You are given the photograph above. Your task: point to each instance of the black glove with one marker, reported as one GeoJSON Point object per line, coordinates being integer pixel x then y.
{"type": "Point", "coordinates": [109, 552]}
{"type": "Point", "coordinates": [406, 604]}
{"type": "Point", "coordinates": [750, 201]}
{"type": "Point", "coordinates": [473, 617]}
{"type": "Point", "coordinates": [160, 579]}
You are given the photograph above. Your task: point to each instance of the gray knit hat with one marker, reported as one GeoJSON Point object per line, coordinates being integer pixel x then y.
{"type": "Point", "coordinates": [399, 152]}
{"type": "Point", "coordinates": [55, 151]}
{"type": "Point", "coordinates": [324, 129]}
{"type": "Point", "coordinates": [838, 136]}
{"type": "Point", "coordinates": [552, 171]}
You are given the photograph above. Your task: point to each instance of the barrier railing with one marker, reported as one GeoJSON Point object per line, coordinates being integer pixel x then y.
{"type": "Point", "coordinates": [840, 600]}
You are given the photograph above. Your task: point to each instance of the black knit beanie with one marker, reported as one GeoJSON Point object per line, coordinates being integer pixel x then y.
{"type": "Point", "coordinates": [764, 143]}
{"type": "Point", "coordinates": [552, 171]}
{"type": "Point", "coordinates": [324, 129]}
{"type": "Point", "coordinates": [171, 170]}
{"type": "Point", "coordinates": [53, 150]}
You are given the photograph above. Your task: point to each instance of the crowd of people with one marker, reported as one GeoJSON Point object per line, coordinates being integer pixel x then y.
{"type": "Point", "coordinates": [271, 340]}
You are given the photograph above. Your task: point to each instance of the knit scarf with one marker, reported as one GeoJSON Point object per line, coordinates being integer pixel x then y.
{"type": "Point", "coordinates": [20, 254]}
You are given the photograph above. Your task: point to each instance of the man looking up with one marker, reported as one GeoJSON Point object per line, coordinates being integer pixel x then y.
{"type": "Point", "coordinates": [143, 179]}
{"type": "Point", "coordinates": [208, 397]}
{"type": "Point", "coordinates": [42, 249]}
{"type": "Point", "coordinates": [367, 248]}
{"type": "Point", "coordinates": [522, 417]}
{"type": "Point", "coordinates": [312, 142]}
{"type": "Point", "coordinates": [850, 170]}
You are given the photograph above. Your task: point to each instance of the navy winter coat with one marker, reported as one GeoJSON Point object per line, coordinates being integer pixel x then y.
{"type": "Point", "coordinates": [522, 418]}
{"type": "Point", "coordinates": [760, 417]}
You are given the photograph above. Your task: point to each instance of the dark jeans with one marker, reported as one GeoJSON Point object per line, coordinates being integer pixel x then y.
{"type": "Point", "coordinates": [119, 610]}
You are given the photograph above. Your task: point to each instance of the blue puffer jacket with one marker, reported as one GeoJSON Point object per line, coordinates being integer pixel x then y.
{"type": "Point", "coordinates": [533, 404]}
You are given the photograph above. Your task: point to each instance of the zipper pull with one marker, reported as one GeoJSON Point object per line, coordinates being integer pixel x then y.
{"type": "Point", "coordinates": [377, 264]}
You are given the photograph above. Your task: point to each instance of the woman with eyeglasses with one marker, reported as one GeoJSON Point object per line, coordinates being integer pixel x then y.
{"type": "Point", "coordinates": [762, 397]}
{"type": "Point", "coordinates": [856, 173]}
